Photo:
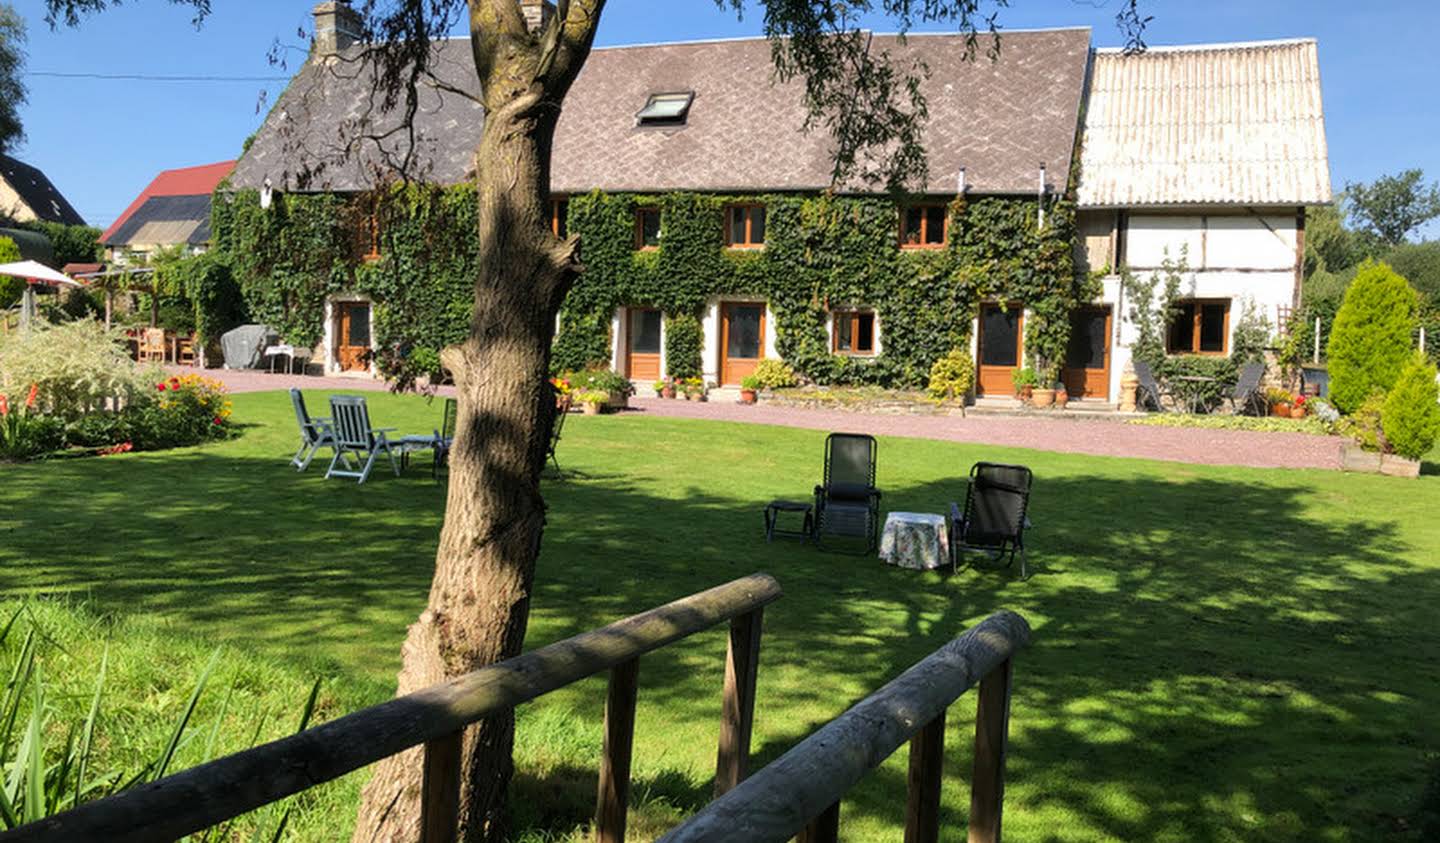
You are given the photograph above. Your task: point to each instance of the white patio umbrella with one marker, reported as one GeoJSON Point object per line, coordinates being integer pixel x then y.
{"type": "Point", "coordinates": [34, 274]}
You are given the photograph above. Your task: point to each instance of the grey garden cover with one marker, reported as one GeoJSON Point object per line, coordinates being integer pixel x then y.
{"type": "Point", "coordinates": [244, 346]}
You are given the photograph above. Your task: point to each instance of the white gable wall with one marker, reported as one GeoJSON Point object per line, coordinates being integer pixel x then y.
{"type": "Point", "coordinates": [1238, 255]}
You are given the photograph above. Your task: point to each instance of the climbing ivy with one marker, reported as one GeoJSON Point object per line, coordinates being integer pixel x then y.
{"type": "Point", "coordinates": [821, 252]}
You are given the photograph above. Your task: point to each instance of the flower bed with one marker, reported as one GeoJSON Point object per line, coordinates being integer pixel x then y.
{"type": "Point", "coordinates": [80, 391]}
{"type": "Point", "coordinates": [1263, 424]}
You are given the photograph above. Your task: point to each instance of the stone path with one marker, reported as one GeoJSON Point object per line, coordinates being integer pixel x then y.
{"type": "Point", "coordinates": [1100, 438]}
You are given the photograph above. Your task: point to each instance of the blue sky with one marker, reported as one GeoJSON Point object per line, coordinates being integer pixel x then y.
{"type": "Point", "coordinates": [101, 141]}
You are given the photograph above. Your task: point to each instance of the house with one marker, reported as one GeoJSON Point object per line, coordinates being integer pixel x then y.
{"type": "Point", "coordinates": [734, 249]}
{"type": "Point", "coordinates": [26, 195]}
{"type": "Point", "coordinates": [173, 210]}
{"type": "Point", "coordinates": [1209, 152]}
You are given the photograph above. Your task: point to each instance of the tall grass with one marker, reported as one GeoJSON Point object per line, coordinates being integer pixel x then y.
{"type": "Point", "coordinates": [93, 706]}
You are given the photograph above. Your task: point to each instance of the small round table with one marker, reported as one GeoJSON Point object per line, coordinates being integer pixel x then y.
{"type": "Point", "coordinates": [772, 512]}
{"type": "Point", "coordinates": [916, 540]}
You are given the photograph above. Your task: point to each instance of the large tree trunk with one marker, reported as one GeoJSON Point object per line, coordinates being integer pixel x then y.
{"type": "Point", "coordinates": [485, 567]}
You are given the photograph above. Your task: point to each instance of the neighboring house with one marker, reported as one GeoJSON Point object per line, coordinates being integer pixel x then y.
{"type": "Point", "coordinates": [1223, 145]}
{"type": "Point", "coordinates": [26, 195]}
{"type": "Point", "coordinates": [1211, 152]}
{"type": "Point", "coordinates": [173, 210]}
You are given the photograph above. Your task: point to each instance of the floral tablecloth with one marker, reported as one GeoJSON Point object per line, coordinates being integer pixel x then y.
{"type": "Point", "coordinates": [915, 540]}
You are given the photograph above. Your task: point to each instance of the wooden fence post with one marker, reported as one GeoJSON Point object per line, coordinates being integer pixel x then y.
{"type": "Point", "coordinates": [614, 797]}
{"type": "Point", "coordinates": [824, 828]}
{"type": "Point", "coordinates": [992, 726]}
{"type": "Point", "coordinates": [440, 789]}
{"type": "Point", "coordinates": [922, 809]}
{"type": "Point", "coordinates": [737, 707]}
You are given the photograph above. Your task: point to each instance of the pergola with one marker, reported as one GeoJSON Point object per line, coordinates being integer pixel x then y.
{"type": "Point", "coordinates": [139, 279]}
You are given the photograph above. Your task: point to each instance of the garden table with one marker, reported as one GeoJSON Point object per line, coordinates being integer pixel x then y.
{"type": "Point", "coordinates": [1193, 390]}
{"type": "Point", "coordinates": [915, 540]}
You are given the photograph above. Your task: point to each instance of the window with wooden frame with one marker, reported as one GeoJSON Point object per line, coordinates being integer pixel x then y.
{"type": "Point", "coordinates": [559, 209]}
{"type": "Point", "coordinates": [854, 333]}
{"type": "Point", "coordinates": [923, 226]}
{"type": "Point", "coordinates": [1200, 326]}
{"type": "Point", "coordinates": [745, 226]}
{"type": "Point", "coordinates": [647, 228]}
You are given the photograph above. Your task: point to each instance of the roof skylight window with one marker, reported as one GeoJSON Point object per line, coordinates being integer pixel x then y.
{"type": "Point", "coordinates": [665, 109]}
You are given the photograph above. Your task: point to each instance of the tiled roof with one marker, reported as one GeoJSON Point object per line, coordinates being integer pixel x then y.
{"type": "Point", "coordinates": [1222, 124]}
{"type": "Point", "coordinates": [998, 120]}
{"type": "Point", "coordinates": [165, 221]}
{"type": "Point", "coordinates": [186, 181]}
{"type": "Point", "coordinates": [36, 191]}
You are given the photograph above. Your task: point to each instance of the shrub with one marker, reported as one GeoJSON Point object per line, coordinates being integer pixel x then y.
{"type": "Point", "coordinates": [10, 288]}
{"type": "Point", "coordinates": [1371, 339]}
{"type": "Point", "coordinates": [1363, 425]}
{"type": "Point", "coordinates": [190, 410]}
{"type": "Point", "coordinates": [1411, 417]}
{"type": "Point", "coordinates": [952, 376]}
{"type": "Point", "coordinates": [1252, 335]}
{"type": "Point", "coordinates": [599, 379]}
{"type": "Point", "coordinates": [24, 432]}
{"type": "Point", "coordinates": [774, 374]}
{"type": "Point", "coordinates": [76, 366]}
{"type": "Point", "coordinates": [1205, 394]}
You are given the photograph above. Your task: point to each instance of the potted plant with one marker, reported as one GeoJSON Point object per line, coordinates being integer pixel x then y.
{"type": "Point", "coordinates": [694, 389]}
{"type": "Point", "coordinates": [1062, 395]}
{"type": "Point", "coordinates": [1297, 408]}
{"type": "Point", "coordinates": [748, 385]}
{"type": "Point", "coordinates": [592, 401]}
{"type": "Point", "coordinates": [659, 388]}
{"type": "Point", "coordinates": [668, 390]}
{"type": "Point", "coordinates": [1043, 396]}
{"type": "Point", "coordinates": [1025, 380]}
{"type": "Point", "coordinates": [1279, 401]}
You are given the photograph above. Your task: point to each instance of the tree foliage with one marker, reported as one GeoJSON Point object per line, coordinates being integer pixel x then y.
{"type": "Point", "coordinates": [11, 288]}
{"type": "Point", "coordinates": [1411, 416]}
{"type": "Point", "coordinates": [1391, 207]}
{"type": "Point", "coordinates": [1372, 336]}
{"type": "Point", "coordinates": [12, 88]}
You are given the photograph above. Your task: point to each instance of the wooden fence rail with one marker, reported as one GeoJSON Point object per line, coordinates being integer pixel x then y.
{"type": "Point", "coordinates": [799, 793]}
{"type": "Point", "coordinates": [211, 793]}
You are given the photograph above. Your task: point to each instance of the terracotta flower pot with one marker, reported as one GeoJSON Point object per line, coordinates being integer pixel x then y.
{"type": "Point", "coordinates": [747, 396]}
{"type": "Point", "coordinates": [1062, 397]}
{"type": "Point", "coordinates": [1297, 412]}
{"type": "Point", "coordinates": [592, 408]}
{"type": "Point", "coordinates": [1042, 398]}
{"type": "Point", "coordinates": [1280, 408]}
{"type": "Point", "coordinates": [667, 392]}
{"type": "Point", "coordinates": [1025, 393]}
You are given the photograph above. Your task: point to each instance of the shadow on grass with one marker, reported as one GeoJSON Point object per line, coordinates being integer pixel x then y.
{"type": "Point", "coordinates": [1213, 659]}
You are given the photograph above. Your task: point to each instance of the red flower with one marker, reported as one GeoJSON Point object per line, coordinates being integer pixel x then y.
{"type": "Point", "coordinates": [218, 420]}
{"type": "Point", "coordinates": [30, 399]}
{"type": "Point", "coordinates": [4, 405]}
{"type": "Point", "coordinates": [1299, 400]}
{"type": "Point", "coordinates": [160, 386]}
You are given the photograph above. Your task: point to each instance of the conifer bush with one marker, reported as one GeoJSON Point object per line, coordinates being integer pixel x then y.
{"type": "Point", "coordinates": [1371, 340]}
{"type": "Point", "coordinates": [1411, 417]}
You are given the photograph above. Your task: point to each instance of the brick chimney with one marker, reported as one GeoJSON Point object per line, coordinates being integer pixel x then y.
{"type": "Point", "coordinates": [537, 13]}
{"type": "Point", "coordinates": [337, 26]}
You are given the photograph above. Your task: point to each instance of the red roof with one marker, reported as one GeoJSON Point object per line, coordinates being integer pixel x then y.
{"type": "Point", "coordinates": [186, 181]}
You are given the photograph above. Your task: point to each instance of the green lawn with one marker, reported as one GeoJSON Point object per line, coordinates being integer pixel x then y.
{"type": "Point", "coordinates": [1219, 654]}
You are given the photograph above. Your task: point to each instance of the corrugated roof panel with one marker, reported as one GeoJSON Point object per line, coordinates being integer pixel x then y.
{"type": "Point", "coordinates": [1227, 124]}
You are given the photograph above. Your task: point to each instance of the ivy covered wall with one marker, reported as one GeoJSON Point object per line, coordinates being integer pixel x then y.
{"type": "Point", "coordinates": [819, 251]}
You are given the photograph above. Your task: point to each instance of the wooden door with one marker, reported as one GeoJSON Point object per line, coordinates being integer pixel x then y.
{"type": "Point", "coordinates": [1087, 358]}
{"type": "Point", "coordinates": [642, 343]}
{"type": "Point", "coordinates": [352, 350]}
{"type": "Point", "coordinates": [1001, 328]}
{"type": "Point", "coordinates": [742, 340]}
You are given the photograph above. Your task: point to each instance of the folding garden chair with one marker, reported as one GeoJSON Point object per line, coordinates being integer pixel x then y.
{"type": "Point", "coordinates": [994, 518]}
{"type": "Point", "coordinates": [1149, 389]}
{"type": "Point", "coordinates": [444, 438]}
{"type": "Point", "coordinates": [562, 409]}
{"type": "Point", "coordinates": [355, 440]}
{"type": "Point", "coordinates": [1247, 388]}
{"type": "Point", "coordinates": [314, 433]}
{"type": "Point", "coordinates": [847, 503]}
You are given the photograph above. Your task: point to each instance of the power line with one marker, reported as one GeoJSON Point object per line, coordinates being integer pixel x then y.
{"type": "Point", "coordinates": [143, 77]}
